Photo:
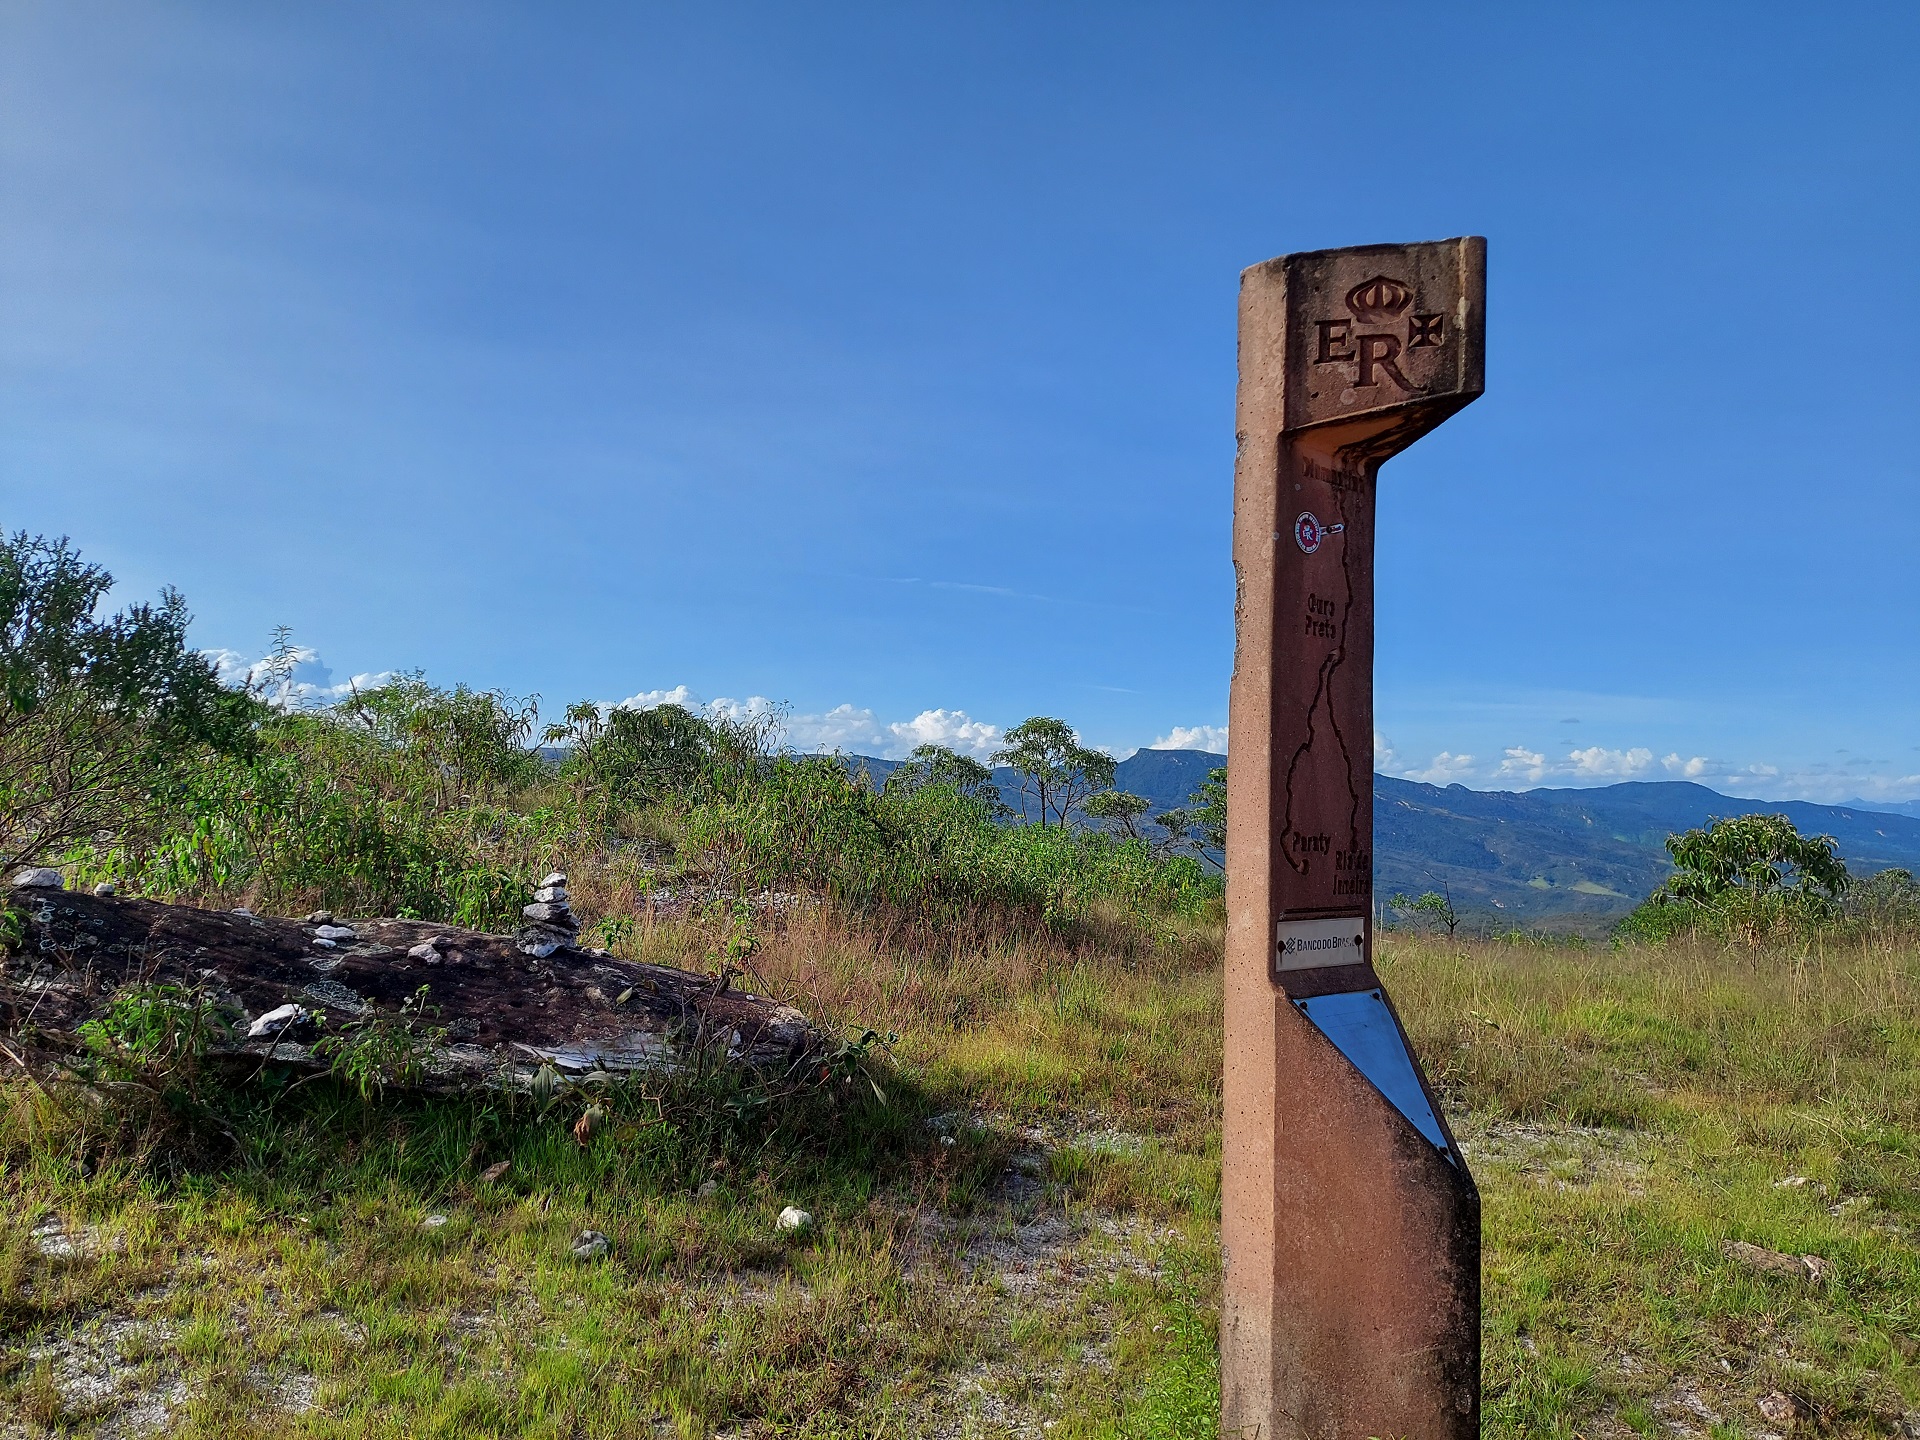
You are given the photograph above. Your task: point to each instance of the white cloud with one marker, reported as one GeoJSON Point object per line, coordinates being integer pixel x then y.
{"type": "Point", "coordinates": [1446, 769]}
{"type": "Point", "coordinates": [754, 707]}
{"type": "Point", "coordinates": [845, 727]}
{"type": "Point", "coordinates": [1212, 738]}
{"type": "Point", "coordinates": [955, 729]}
{"type": "Point", "coordinates": [1384, 755]}
{"type": "Point", "coordinates": [309, 683]}
{"type": "Point", "coordinates": [650, 699]}
{"type": "Point", "coordinates": [1596, 762]}
{"type": "Point", "coordinates": [1521, 767]}
{"type": "Point", "coordinates": [1521, 763]}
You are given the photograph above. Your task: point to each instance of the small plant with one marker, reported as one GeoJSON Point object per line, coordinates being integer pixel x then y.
{"type": "Point", "coordinates": [159, 1030]}
{"type": "Point", "coordinates": [13, 929]}
{"type": "Point", "coordinates": [614, 931]}
{"type": "Point", "coordinates": [849, 1065]}
{"type": "Point", "coordinates": [383, 1049]}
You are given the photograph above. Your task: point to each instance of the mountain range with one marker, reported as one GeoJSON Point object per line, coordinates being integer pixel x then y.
{"type": "Point", "coordinates": [1563, 859]}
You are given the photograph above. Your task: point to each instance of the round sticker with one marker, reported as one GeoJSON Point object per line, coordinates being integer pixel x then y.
{"type": "Point", "coordinates": [1307, 533]}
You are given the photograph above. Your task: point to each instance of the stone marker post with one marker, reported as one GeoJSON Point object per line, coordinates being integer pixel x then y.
{"type": "Point", "coordinates": [1351, 1305]}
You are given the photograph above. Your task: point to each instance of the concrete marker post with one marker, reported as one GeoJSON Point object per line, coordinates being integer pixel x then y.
{"type": "Point", "coordinates": [1350, 1224]}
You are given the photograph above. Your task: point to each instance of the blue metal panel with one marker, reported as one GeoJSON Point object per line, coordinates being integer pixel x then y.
{"type": "Point", "coordinates": [1362, 1029]}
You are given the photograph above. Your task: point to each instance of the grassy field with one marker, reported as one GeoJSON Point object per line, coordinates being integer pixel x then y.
{"type": "Point", "coordinates": [1022, 1240]}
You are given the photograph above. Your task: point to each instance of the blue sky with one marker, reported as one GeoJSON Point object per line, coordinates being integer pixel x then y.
{"type": "Point", "coordinates": [879, 359]}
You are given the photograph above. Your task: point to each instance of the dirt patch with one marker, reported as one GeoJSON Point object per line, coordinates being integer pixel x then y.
{"type": "Point", "coordinates": [1560, 1157]}
{"type": "Point", "coordinates": [115, 1369]}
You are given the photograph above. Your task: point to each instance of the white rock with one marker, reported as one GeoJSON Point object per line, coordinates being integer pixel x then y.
{"type": "Point", "coordinates": [323, 944]}
{"type": "Point", "coordinates": [558, 877]}
{"type": "Point", "coordinates": [550, 893]}
{"type": "Point", "coordinates": [590, 1245]}
{"type": "Point", "coordinates": [539, 949]}
{"type": "Point", "coordinates": [40, 878]}
{"type": "Point", "coordinates": [433, 1222]}
{"type": "Point", "coordinates": [242, 910]}
{"type": "Point", "coordinates": [337, 932]}
{"type": "Point", "coordinates": [794, 1218]}
{"type": "Point", "coordinates": [708, 1189]}
{"type": "Point", "coordinates": [425, 953]}
{"type": "Point", "coordinates": [106, 889]}
{"type": "Point", "coordinates": [282, 1017]}
{"type": "Point", "coordinates": [554, 914]}
{"type": "Point", "coordinates": [320, 917]}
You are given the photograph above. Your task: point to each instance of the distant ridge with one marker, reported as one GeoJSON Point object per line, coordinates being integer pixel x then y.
{"type": "Point", "coordinates": [1886, 807]}
{"type": "Point", "coordinates": [1564, 858]}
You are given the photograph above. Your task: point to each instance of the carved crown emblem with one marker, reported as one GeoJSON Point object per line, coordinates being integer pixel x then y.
{"type": "Point", "coordinates": [1378, 299]}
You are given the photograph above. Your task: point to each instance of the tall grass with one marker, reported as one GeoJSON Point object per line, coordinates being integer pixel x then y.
{"type": "Point", "coordinates": [1612, 1037]}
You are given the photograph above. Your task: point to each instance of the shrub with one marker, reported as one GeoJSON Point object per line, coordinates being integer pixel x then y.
{"type": "Point", "coordinates": [94, 711]}
{"type": "Point", "coordinates": [934, 850]}
{"type": "Point", "coordinates": [1748, 877]}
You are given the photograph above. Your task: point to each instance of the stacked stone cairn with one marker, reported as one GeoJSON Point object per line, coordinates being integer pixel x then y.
{"type": "Point", "coordinates": [550, 923]}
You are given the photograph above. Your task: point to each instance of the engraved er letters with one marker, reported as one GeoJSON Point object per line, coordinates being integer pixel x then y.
{"type": "Point", "coordinates": [1376, 354]}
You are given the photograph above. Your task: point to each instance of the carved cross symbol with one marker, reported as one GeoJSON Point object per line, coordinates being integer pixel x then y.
{"type": "Point", "coordinates": [1425, 330]}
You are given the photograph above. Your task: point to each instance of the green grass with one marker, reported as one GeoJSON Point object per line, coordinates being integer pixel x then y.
{"type": "Point", "coordinates": [1626, 1112]}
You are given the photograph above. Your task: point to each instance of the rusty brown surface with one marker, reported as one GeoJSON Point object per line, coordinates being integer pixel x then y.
{"type": "Point", "coordinates": [500, 1008]}
{"type": "Point", "coordinates": [1351, 1298]}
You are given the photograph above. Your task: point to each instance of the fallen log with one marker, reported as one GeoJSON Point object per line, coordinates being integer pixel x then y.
{"type": "Point", "coordinates": [495, 1012]}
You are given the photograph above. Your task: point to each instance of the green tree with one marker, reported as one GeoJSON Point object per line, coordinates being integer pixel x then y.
{"type": "Point", "coordinates": [1210, 809]}
{"type": "Point", "coordinates": [94, 711]}
{"type": "Point", "coordinates": [1118, 810]}
{"type": "Point", "coordinates": [635, 757]}
{"type": "Point", "coordinates": [1055, 769]}
{"type": "Point", "coordinates": [1757, 854]}
{"type": "Point", "coordinates": [939, 765]}
{"type": "Point", "coordinates": [1746, 874]}
{"type": "Point", "coordinates": [460, 744]}
{"type": "Point", "coordinates": [1176, 824]}
{"type": "Point", "coordinates": [1435, 907]}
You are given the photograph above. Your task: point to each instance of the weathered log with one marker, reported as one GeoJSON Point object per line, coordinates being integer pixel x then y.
{"type": "Point", "coordinates": [498, 1011]}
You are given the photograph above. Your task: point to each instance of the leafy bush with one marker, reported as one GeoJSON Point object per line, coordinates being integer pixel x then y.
{"type": "Point", "coordinates": [933, 849]}
{"type": "Point", "coordinates": [94, 711]}
{"type": "Point", "coordinates": [1748, 877]}
{"type": "Point", "coordinates": [163, 1031]}
{"type": "Point", "coordinates": [1887, 901]}
{"type": "Point", "coordinates": [382, 1049]}
{"type": "Point", "coordinates": [626, 759]}
{"type": "Point", "coordinates": [379, 805]}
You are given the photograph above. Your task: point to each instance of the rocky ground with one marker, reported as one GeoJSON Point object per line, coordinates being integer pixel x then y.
{"type": "Point", "coordinates": [491, 1006]}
